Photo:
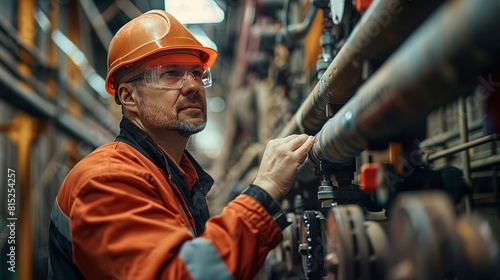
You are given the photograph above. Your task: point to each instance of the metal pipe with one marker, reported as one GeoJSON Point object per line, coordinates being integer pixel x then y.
{"type": "Point", "coordinates": [442, 138]}
{"type": "Point", "coordinates": [95, 18]}
{"type": "Point", "coordinates": [94, 108]}
{"type": "Point", "coordinates": [484, 162]}
{"type": "Point", "coordinates": [464, 138]}
{"type": "Point", "coordinates": [436, 65]}
{"type": "Point", "coordinates": [296, 31]}
{"type": "Point", "coordinates": [90, 104]}
{"type": "Point", "coordinates": [36, 55]}
{"type": "Point", "coordinates": [23, 98]}
{"type": "Point", "coordinates": [381, 30]}
{"type": "Point", "coordinates": [458, 148]}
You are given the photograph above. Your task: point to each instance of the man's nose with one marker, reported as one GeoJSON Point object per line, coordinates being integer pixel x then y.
{"type": "Point", "coordinates": [190, 83]}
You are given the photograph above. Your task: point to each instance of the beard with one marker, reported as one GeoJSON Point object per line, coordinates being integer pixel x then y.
{"type": "Point", "coordinates": [155, 116]}
{"type": "Point", "coordinates": [187, 129]}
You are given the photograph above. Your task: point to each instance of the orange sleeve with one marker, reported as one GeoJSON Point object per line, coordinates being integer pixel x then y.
{"type": "Point", "coordinates": [122, 229]}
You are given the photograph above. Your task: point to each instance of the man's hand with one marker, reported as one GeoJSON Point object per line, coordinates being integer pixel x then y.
{"type": "Point", "coordinates": [280, 161]}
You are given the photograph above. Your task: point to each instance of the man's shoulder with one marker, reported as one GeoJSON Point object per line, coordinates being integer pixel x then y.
{"type": "Point", "coordinates": [111, 162]}
{"type": "Point", "coordinates": [109, 157]}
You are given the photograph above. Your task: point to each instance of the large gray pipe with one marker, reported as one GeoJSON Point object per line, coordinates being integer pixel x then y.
{"type": "Point", "coordinates": [381, 30]}
{"type": "Point", "coordinates": [440, 62]}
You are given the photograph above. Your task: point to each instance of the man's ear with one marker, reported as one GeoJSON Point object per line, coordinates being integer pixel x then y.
{"type": "Point", "coordinates": [127, 95]}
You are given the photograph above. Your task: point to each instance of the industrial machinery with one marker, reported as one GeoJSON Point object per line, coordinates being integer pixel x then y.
{"type": "Point", "coordinates": [402, 182]}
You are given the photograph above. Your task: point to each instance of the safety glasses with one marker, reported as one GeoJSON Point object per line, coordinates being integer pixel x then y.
{"type": "Point", "coordinates": [174, 76]}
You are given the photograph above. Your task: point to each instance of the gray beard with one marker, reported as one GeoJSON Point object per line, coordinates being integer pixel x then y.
{"type": "Point", "coordinates": [187, 129]}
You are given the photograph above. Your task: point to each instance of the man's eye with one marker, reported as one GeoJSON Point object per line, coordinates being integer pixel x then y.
{"type": "Point", "coordinates": [197, 73]}
{"type": "Point", "coordinates": [171, 73]}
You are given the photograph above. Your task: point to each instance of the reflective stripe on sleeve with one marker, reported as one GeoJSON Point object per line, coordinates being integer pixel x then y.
{"type": "Point", "coordinates": [203, 261]}
{"type": "Point", "coordinates": [61, 221]}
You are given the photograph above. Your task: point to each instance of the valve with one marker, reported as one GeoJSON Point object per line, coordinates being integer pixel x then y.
{"type": "Point", "coordinates": [325, 189]}
{"type": "Point", "coordinates": [327, 40]}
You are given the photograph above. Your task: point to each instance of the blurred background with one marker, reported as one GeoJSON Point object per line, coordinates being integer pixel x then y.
{"type": "Point", "coordinates": [402, 95]}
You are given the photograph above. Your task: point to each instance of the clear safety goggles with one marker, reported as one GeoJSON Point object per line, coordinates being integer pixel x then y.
{"type": "Point", "coordinates": [174, 76]}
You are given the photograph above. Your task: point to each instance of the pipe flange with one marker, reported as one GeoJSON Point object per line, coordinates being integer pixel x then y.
{"type": "Point", "coordinates": [312, 248]}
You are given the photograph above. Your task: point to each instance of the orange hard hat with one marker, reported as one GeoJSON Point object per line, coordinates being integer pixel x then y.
{"type": "Point", "coordinates": [148, 34]}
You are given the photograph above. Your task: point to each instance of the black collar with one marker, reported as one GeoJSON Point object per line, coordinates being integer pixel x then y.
{"type": "Point", "coordinates": [141, 141]}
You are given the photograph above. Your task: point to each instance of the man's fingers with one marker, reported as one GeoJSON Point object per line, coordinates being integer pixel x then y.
{"type": "Point", "coordinates": [298, 141]}
{"type": "Point", "coordinates": [305, 147]}
{"type": "Point", "coordinates": [290, 138]}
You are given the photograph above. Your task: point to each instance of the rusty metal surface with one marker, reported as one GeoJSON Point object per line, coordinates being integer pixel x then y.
{"type": "Point", "coordinates": [384, 26]}
{"type": "Point", "coordinates": [437, 64]}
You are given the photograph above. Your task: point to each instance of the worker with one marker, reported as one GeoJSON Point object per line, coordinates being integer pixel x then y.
{"type": "Point", "coordinates": [136, 208]}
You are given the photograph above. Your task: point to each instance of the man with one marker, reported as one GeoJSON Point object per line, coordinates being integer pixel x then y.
{"type": "Point", "coordinates": [135, 208]}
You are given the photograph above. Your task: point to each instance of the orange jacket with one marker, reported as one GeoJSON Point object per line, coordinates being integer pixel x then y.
{"type": "Point", "coordinates": [122, 213]}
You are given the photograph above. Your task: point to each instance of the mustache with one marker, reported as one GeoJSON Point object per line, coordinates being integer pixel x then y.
{"type": "Point", "coordinates": [195, 99]}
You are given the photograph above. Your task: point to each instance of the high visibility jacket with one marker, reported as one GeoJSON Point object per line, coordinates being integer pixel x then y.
{"type": "Point", "coordinates": [127, 211]}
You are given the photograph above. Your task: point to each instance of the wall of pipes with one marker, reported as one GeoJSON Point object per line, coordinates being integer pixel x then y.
{"type": "Point", "coordinates": [402, 95]}
{"type": "Point", "coordinates": [404, 171]}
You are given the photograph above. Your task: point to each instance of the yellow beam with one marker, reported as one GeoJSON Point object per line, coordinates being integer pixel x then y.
{"type": "Point", "coordinates": [74, 75]}
{"type": "Point", "coordinates": [22, 134]}
{"type": "Point", "coordinates": [26, 31]}
{"type": "Point", "coordinates": [52, 51]}
{"type": "Point", "coordinates": [22, 131]}
{"type": "Point", "coordinates": [312, 48]}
